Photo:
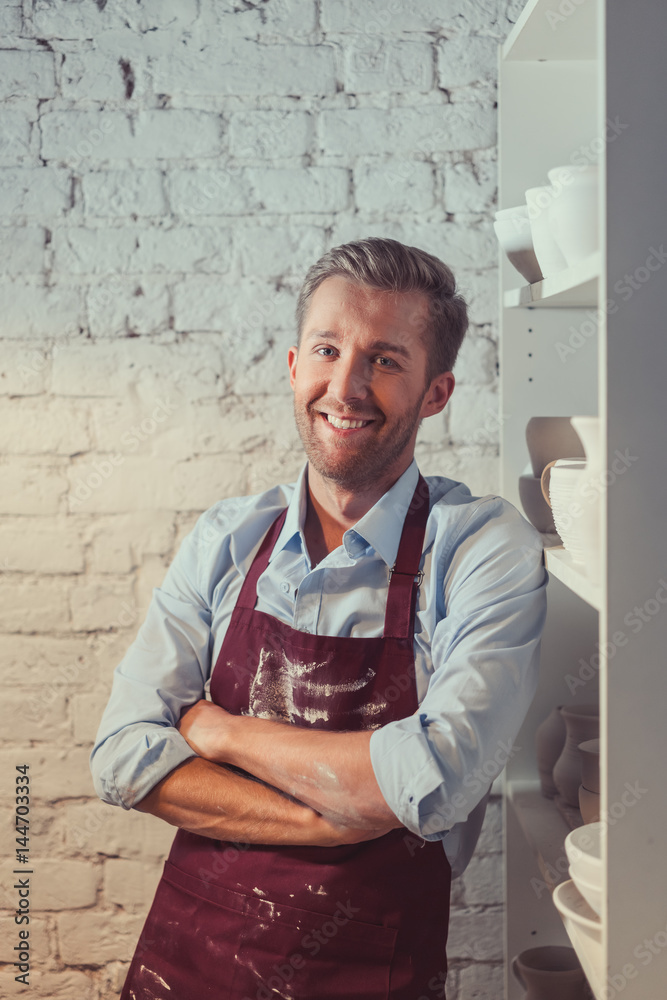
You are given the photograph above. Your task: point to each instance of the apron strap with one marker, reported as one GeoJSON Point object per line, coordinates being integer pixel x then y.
{"type": "Point", "coordinates": [248, 595]}
{"type": "Point", "coordinates": [405, 576]}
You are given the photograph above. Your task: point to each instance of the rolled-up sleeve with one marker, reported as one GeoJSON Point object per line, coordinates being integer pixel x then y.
{"type": "Point", "coordinates": [164, 670]}
{"type": "Point", "coordinates": [434, 767]}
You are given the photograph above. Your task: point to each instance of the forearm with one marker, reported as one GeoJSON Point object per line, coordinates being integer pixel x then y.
{"type": "Point", "coordinates": [331, 772]}
{"type": "Point", "coordinates": [204, 798]}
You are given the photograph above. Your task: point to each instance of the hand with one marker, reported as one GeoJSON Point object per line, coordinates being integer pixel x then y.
{"type": "Point", "coordinates": [206, 728]}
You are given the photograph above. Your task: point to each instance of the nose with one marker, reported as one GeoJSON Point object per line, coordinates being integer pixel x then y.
{"type": "Point", "coordinates": [350, 379]}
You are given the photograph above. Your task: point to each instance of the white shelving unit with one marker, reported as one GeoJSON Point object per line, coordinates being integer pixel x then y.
{"type": "Point", "coordinates": [575, 87]}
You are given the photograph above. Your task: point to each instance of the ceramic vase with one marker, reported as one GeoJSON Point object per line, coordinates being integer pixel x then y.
{"type": "Point", "coordinates": [549, 743]}
{"type": "Point", "coordinates": [552, 972]}
{"type": "Point", "coordinates": [582, 723]}
{"type": "Point", "coordinates": [588, 496]}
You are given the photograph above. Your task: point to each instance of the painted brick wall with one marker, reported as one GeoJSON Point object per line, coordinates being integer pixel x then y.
{"type": "Point", "coordinates": [168, 170]}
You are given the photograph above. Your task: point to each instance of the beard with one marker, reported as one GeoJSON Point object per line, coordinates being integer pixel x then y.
{"type": "Point", "coordinates": [353, 466]}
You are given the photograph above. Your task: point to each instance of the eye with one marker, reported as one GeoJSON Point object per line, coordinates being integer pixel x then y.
{"type": "Point", "coordinates": [326, 352]}
{"type": "Point", "coordinates": [386, 362]}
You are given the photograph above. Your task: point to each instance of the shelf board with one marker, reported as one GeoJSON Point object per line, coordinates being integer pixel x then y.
{"type": "Point", "coordinates": [542, 32]}
{"type": "Point", "coordinates": [575, 287]}
{"type": "Point", "coordinates": [544, 828]}
{"type": "Point", "coordinates": [559, 563]}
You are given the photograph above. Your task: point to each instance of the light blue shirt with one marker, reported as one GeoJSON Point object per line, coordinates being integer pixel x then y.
{"type": "Point", "coordinates": [480, 613]}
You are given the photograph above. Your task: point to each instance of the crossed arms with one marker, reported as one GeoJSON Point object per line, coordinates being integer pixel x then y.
{"type": "Point", "coordinates": [314, 788]}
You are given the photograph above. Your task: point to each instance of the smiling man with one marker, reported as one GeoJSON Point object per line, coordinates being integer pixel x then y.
{"type": "Point", "coordinates": [331, 675]}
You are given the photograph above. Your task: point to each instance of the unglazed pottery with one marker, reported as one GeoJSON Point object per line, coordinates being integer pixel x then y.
{"type": "Point", "coordinates": [582, 723]}
{"type": "Point", "coordinates": [549, 438]}
{"type": "Point", "coordinates": [590, 765]}
{"type": "Point", "coordinates": [589, 805]}
{"type": "Point", "coordinates": [552, 972]}
{"type": "Point", "coordinates": [588, 495]}
{"type": "Point", "coordinates": [535, 507]}
{"type": "Point", "coordinates": [549, 743]}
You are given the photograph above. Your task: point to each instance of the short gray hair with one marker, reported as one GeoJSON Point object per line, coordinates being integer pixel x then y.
{"type": "Point", "coordinates": [391, 266]}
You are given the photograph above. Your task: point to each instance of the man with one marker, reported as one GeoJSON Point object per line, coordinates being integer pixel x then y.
{"type": "Point", "coordinates": [369, 644]}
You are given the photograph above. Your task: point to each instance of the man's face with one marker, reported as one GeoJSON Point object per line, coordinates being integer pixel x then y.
{"type": "Point", "coordinates": [359, 381]}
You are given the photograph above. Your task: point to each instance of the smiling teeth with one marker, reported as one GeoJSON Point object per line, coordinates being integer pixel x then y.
{"type": "Point", "coordinates": [344, 425]}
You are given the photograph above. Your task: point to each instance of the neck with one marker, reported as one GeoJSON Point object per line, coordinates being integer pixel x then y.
{"type": "Point", "coordinates": [333, 508]}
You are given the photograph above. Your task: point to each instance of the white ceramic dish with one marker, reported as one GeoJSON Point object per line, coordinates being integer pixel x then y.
{"type": "Point", "coordinates": [584, 929]}
{"type": "Point", "coordinates": [591, 893]}
{"type": "Point", "coordinates": [575, 910]}
{"type": "Point", "coordinates": [583, 848]}
{"type": "Point", "coordinates": [547, 251]}
{"type": "Point", "coordinates": [512, 228]}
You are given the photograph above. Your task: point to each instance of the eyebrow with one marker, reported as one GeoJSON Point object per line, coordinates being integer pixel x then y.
{"type": "Point", "coordinates": [377, 345]}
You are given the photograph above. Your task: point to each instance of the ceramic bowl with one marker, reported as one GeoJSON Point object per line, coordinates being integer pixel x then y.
{"type": "Point", "coordinates": [590, 765]}
{"type": "Point", "coordinates": [591, 893]}
{"type": "Point", "coordinates": [583, 848]}
{"type": "Point", "coordinates": [589, 805]}
{"type": "Point", "coordinates": [575, 910]}
{"type": "Point", "coordinates": [547, 251]}
{"type": "Point", "coordinates": [573, 212]}
{"type": "Point", "coordinates": [550, 438]}
{"type": "Point", "coordinates": [512, 228]}
{"type": "Point", "coordinates": [535, 507]}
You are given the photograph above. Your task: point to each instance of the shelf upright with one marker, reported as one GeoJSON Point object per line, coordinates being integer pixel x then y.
{"type": "Point", "coordinates": [582, 83]}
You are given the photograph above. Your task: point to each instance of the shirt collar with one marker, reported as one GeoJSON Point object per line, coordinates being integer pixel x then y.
{"type": "Point", "coordinates": [380, 527]}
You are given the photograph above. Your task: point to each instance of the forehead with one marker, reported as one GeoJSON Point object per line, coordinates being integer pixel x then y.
{"type": "Point", "coordinates": [344, 305]}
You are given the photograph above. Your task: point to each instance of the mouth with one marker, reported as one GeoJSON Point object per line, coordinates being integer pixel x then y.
{"type": "Point", "coordinates": [345, 423]}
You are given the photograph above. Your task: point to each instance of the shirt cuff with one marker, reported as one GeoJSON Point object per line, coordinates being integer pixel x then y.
{"type": "Point", "coordinates": [132, 773]}
{"type": "Point", "coordinates": [407, 774]}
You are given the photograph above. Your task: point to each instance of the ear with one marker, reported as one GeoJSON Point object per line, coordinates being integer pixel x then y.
{"type": "Point", "coordinates": [291, 361]}
{"type": "Point", "coordinates": [438, 394]}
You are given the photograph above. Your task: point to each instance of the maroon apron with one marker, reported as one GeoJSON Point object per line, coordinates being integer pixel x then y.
{"type": "Point", "coordinates": [253, 922]}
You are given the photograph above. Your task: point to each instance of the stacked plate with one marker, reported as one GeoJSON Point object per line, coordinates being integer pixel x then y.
{"type": "Point", "coordinates": [564, 478]}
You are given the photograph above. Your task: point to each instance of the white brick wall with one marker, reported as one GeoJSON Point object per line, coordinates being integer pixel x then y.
{"type": "Point", "coordinates": [168, 171]}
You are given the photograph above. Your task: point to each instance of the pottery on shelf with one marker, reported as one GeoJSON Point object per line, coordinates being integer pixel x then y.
{"type": "Point", "coordinates": [588, 496]}
{"type": "Point", "coordinates": [547, 251]}
{"type": "Point", "coordinates": [512, 227]}
{"type": "Point", "coordinates": [560, 482]}
{"type": "Point", "coordinates": [590, 765]}
{"type": "Point", "coordinates": [549, 743]}
{"type": "Point", "coordinates": [573, 211]}
{"type": "Point", "coordinates": [535, 507]}
{"type": "Point", "coordinates": [549, 438]}
{"type": "Point", "coordinates": [552, 972]}
{"type": "Point", "coordinates": [589, 805]}
{"type": "Point", "coordinates": [581, 723]}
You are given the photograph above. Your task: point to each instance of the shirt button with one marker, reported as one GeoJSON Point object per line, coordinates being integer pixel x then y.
{"type": "Point", "coordinates": [284, 586]}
